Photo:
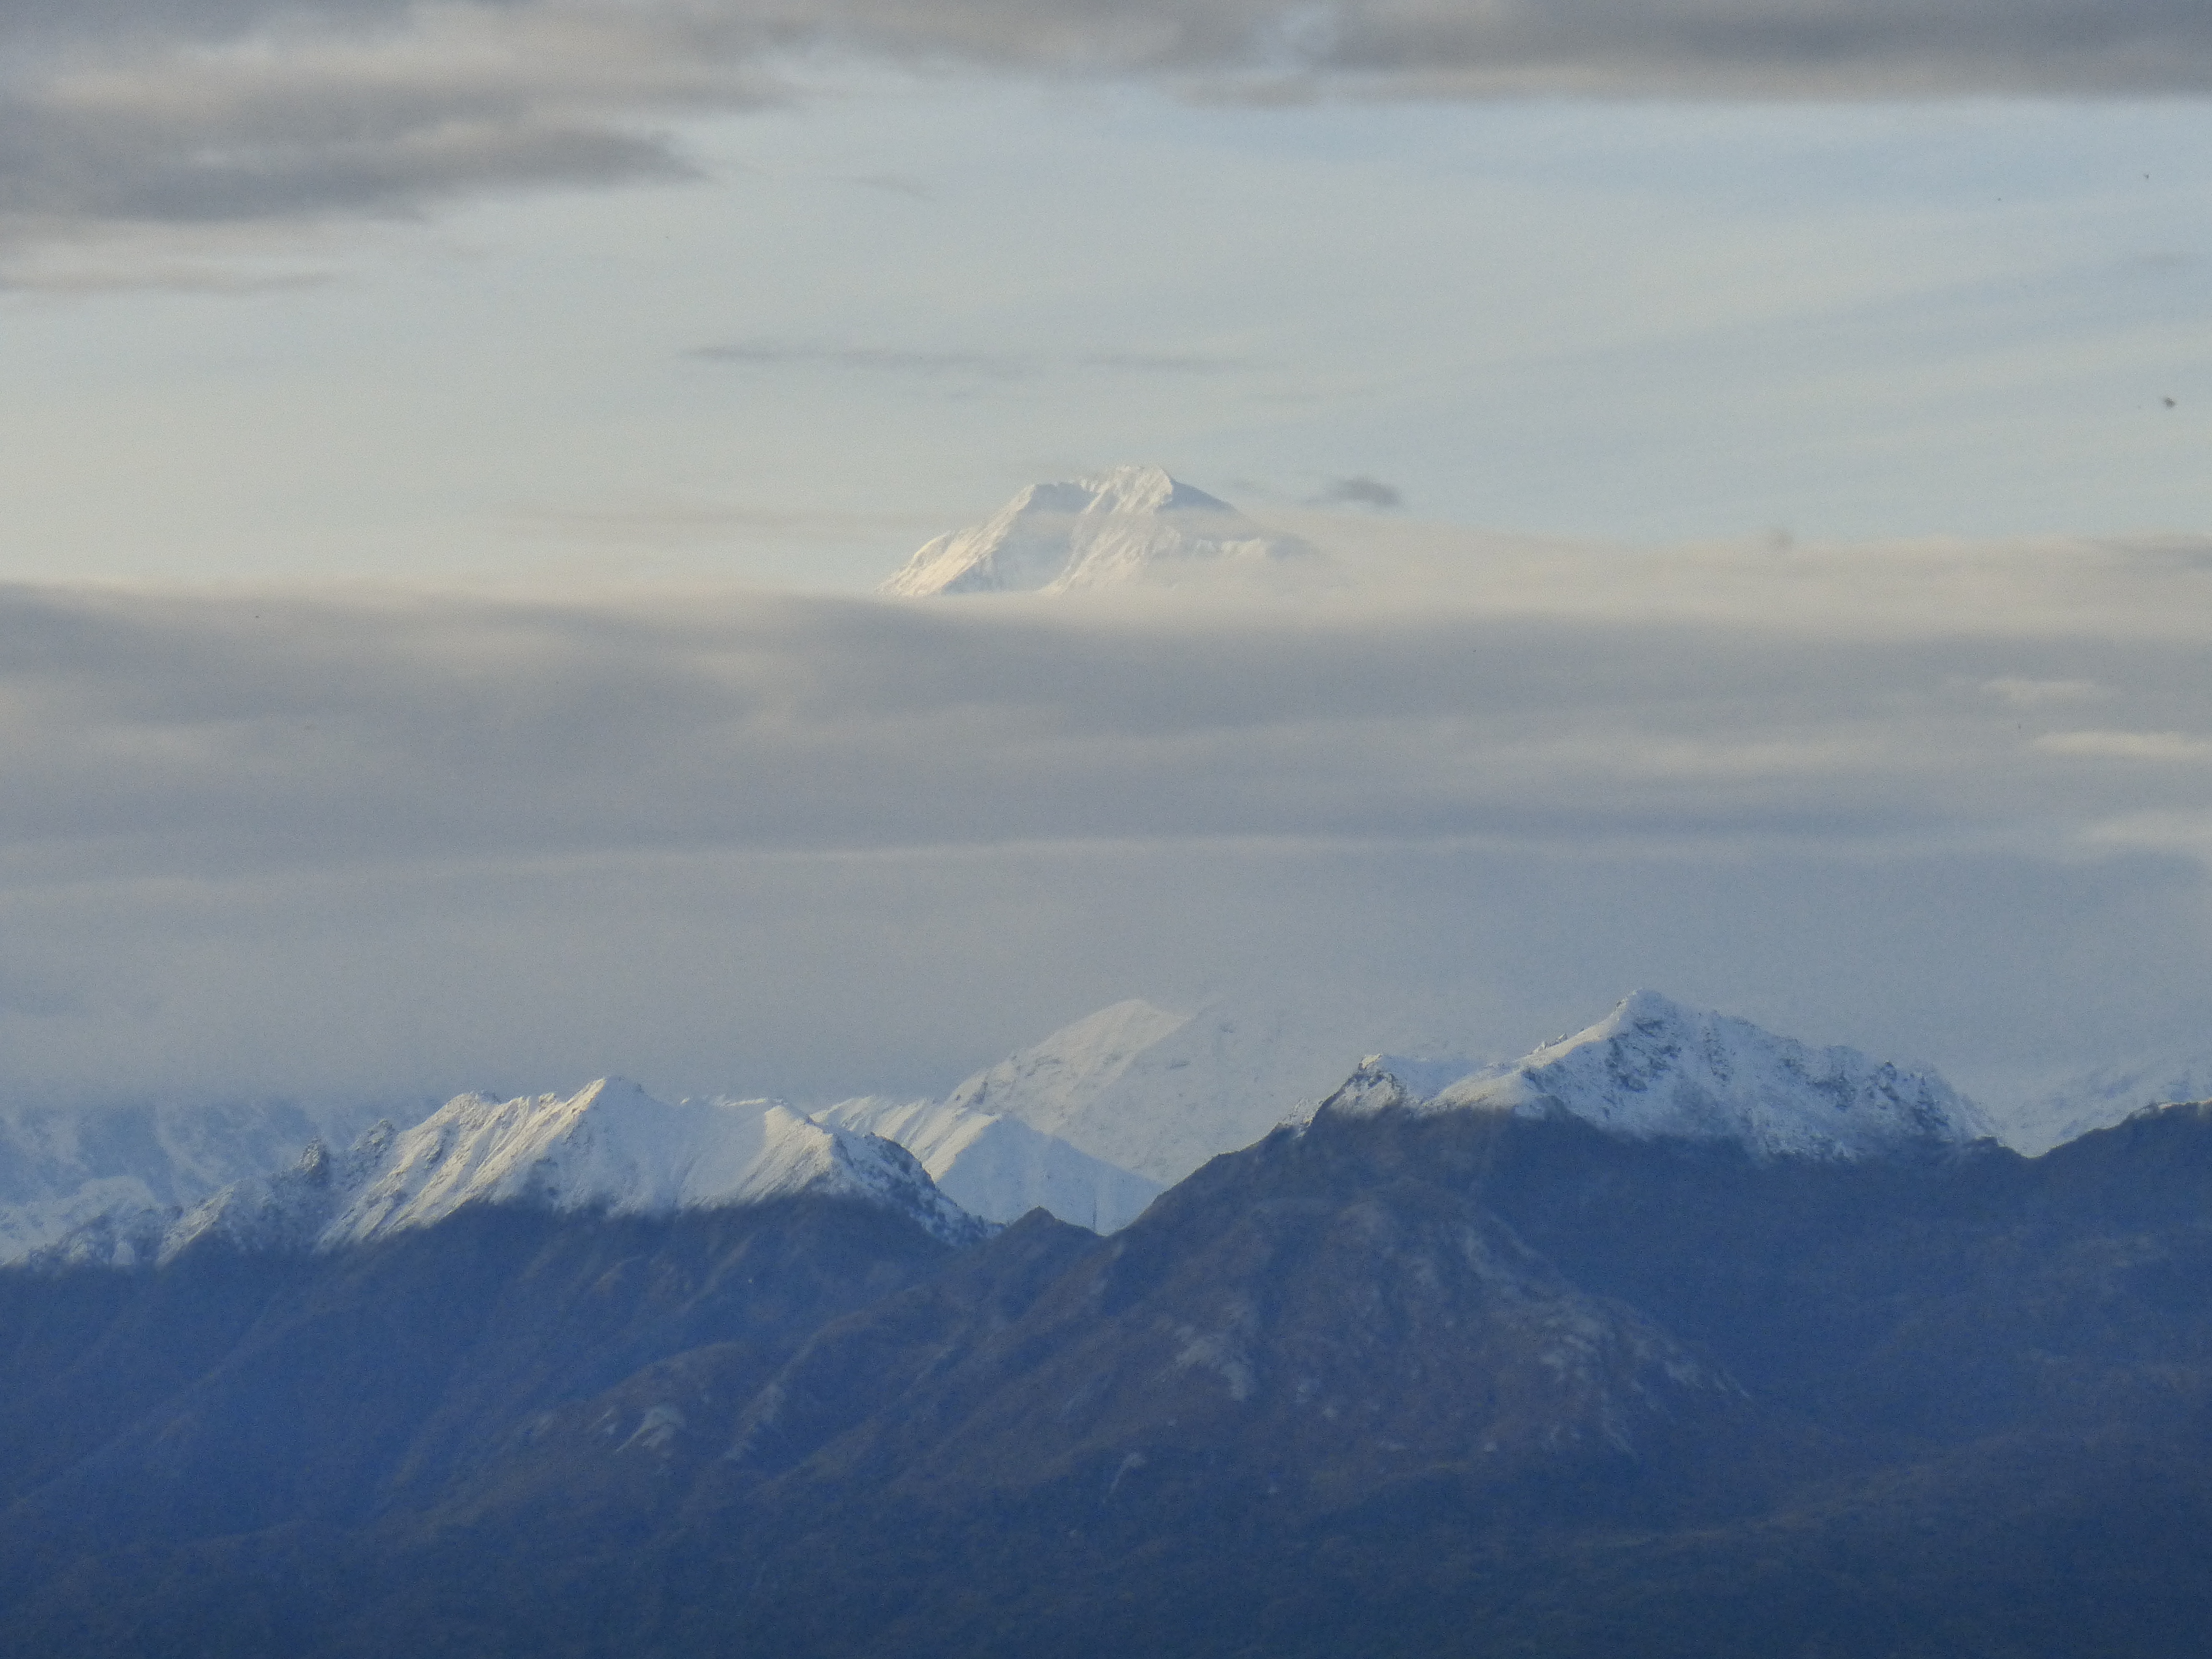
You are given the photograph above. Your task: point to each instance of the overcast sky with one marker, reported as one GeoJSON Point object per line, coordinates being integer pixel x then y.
{"type": "Point", "coordinates": [446, 449]}
{"type": "Point", "coordinates": [1948, 802]}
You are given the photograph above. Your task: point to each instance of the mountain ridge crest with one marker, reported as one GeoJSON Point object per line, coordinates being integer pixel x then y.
{"type": "Point", "coordinates": [1656, 1069]}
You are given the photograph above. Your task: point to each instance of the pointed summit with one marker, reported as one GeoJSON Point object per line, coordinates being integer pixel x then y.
{"type": "Point", "coordinates": [1653, 1069]}
{"type": "Point", "coordinates": [1372, 1088]}
{"type": "Point", "coordinates": [1133, 524]}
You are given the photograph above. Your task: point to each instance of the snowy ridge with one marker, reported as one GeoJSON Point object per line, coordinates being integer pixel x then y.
{"type": "Point", "coordinates": [2099, 1099]}
{"type": "Point", "coordinates": [114, 1179]}
{"type": "Point", "coordinates": [1000, 1169]}
{"type": "Point", "coordinates": [1372, 1088]}
{"type": "Point", "coordinates": [611, 1145]}
{"type": "Point", "coordinates": [1654, 1069]}
{"type": "Point", "coordinates": [289, 1209]}
{"type": "Point", "coordinates": [107, 1219]}
{"type": "Point", "coordinates": [803, 1155]}
{"type": "Point", "coordinates": [610, 1148]}
{"type": "Point", "coordinates": [1133, 524]}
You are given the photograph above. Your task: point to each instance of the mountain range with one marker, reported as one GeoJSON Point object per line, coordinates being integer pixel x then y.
{"type": "Point", "coordinates": [1673, 1337]}
{"type": "Point", "coordinates": [1091, 1123]}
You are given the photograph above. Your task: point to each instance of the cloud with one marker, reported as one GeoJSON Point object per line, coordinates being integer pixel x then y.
{"type": "Point", "coordinates": [2036, 694]}
{"type": "Point", "coordinates": [985, 365]}
{"type": "Point", "coordinates": [2163, 747]}
{"type": "Point", "coordinates": [238, 115]}
{"type": "Point", "coordinates": [1165, 362]}
{"type": "Point", "coordinates": [1363, 491]}
{"type": "Point", "coordinates": [766, 353]}
{"type": "Point", "coordinates": [244, 111]}
{"type": "Point", "coordinates": [299, 841]}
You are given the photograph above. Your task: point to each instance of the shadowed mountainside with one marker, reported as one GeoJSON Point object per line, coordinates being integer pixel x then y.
{"type": "Point", "coordinates": [1398, 1381]}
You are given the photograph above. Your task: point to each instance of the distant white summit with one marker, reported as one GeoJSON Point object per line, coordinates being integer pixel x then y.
{"type": "Point", "coordinates": [1652, 1069]}
{"type": "Point", "coordinates": [998, 1168]}
{"type": "Point", "coordinates": [1133, 524]}
{"type": "Point", "coordinates": [1160, 1093]}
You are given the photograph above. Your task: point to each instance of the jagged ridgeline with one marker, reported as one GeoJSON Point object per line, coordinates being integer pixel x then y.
{"type": "Point", "coordinates": [1672, 1338]}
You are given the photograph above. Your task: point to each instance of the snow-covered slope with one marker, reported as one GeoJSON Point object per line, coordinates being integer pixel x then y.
{"type": "Point", "coordinates": [1160, 1093]}
{"type": "Point", "coordinates": [1050, 1084]}
{"type": "Point", "coordinates": [998, 1168]}
{"type": "Point", "coordinates": [610, 1147]}
{"type": "Point", "coordinates": [126, 1172]}
{"type": "Point", "coordinates": [2102, 1097]}
{"type": "Point", "coordinates": [1133, 524]}
{"type": "Point", "coordinates": [1652, 1068]}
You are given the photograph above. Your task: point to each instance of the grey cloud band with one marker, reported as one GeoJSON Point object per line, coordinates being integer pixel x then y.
{"type": "Point", "coordinates": [290, 841]}
{"type": "Point", "coordinates": [236, 111]}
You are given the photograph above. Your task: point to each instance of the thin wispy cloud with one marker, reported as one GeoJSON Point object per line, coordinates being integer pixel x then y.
{"type": "Point", "coordinates": [985, 365]}
{"type": "Point", "coordinates": [893, 184]}
{"type": "Point", "coordinates": [2163, 748]}
{"type": "Point", "coordinates": [875, 359]}
{"type": "Point", "coordinates": [1164, 363]}
{"type": "Point", "coordinates": [2036, 694]}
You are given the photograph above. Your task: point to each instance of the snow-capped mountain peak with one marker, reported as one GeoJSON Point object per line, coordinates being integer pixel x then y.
{"type": "Point", "coordinates": [1653, 1069]}
{"type": "Point", "coordinates": [1133, 524]}
{"type": "Point", "coordinates": [611, 1147]}
{"type": "Point", "coordinates": [801, 1154]}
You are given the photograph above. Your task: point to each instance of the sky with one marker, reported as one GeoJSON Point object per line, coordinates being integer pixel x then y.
{"type": "Point", "coordinates": [446, 451]}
